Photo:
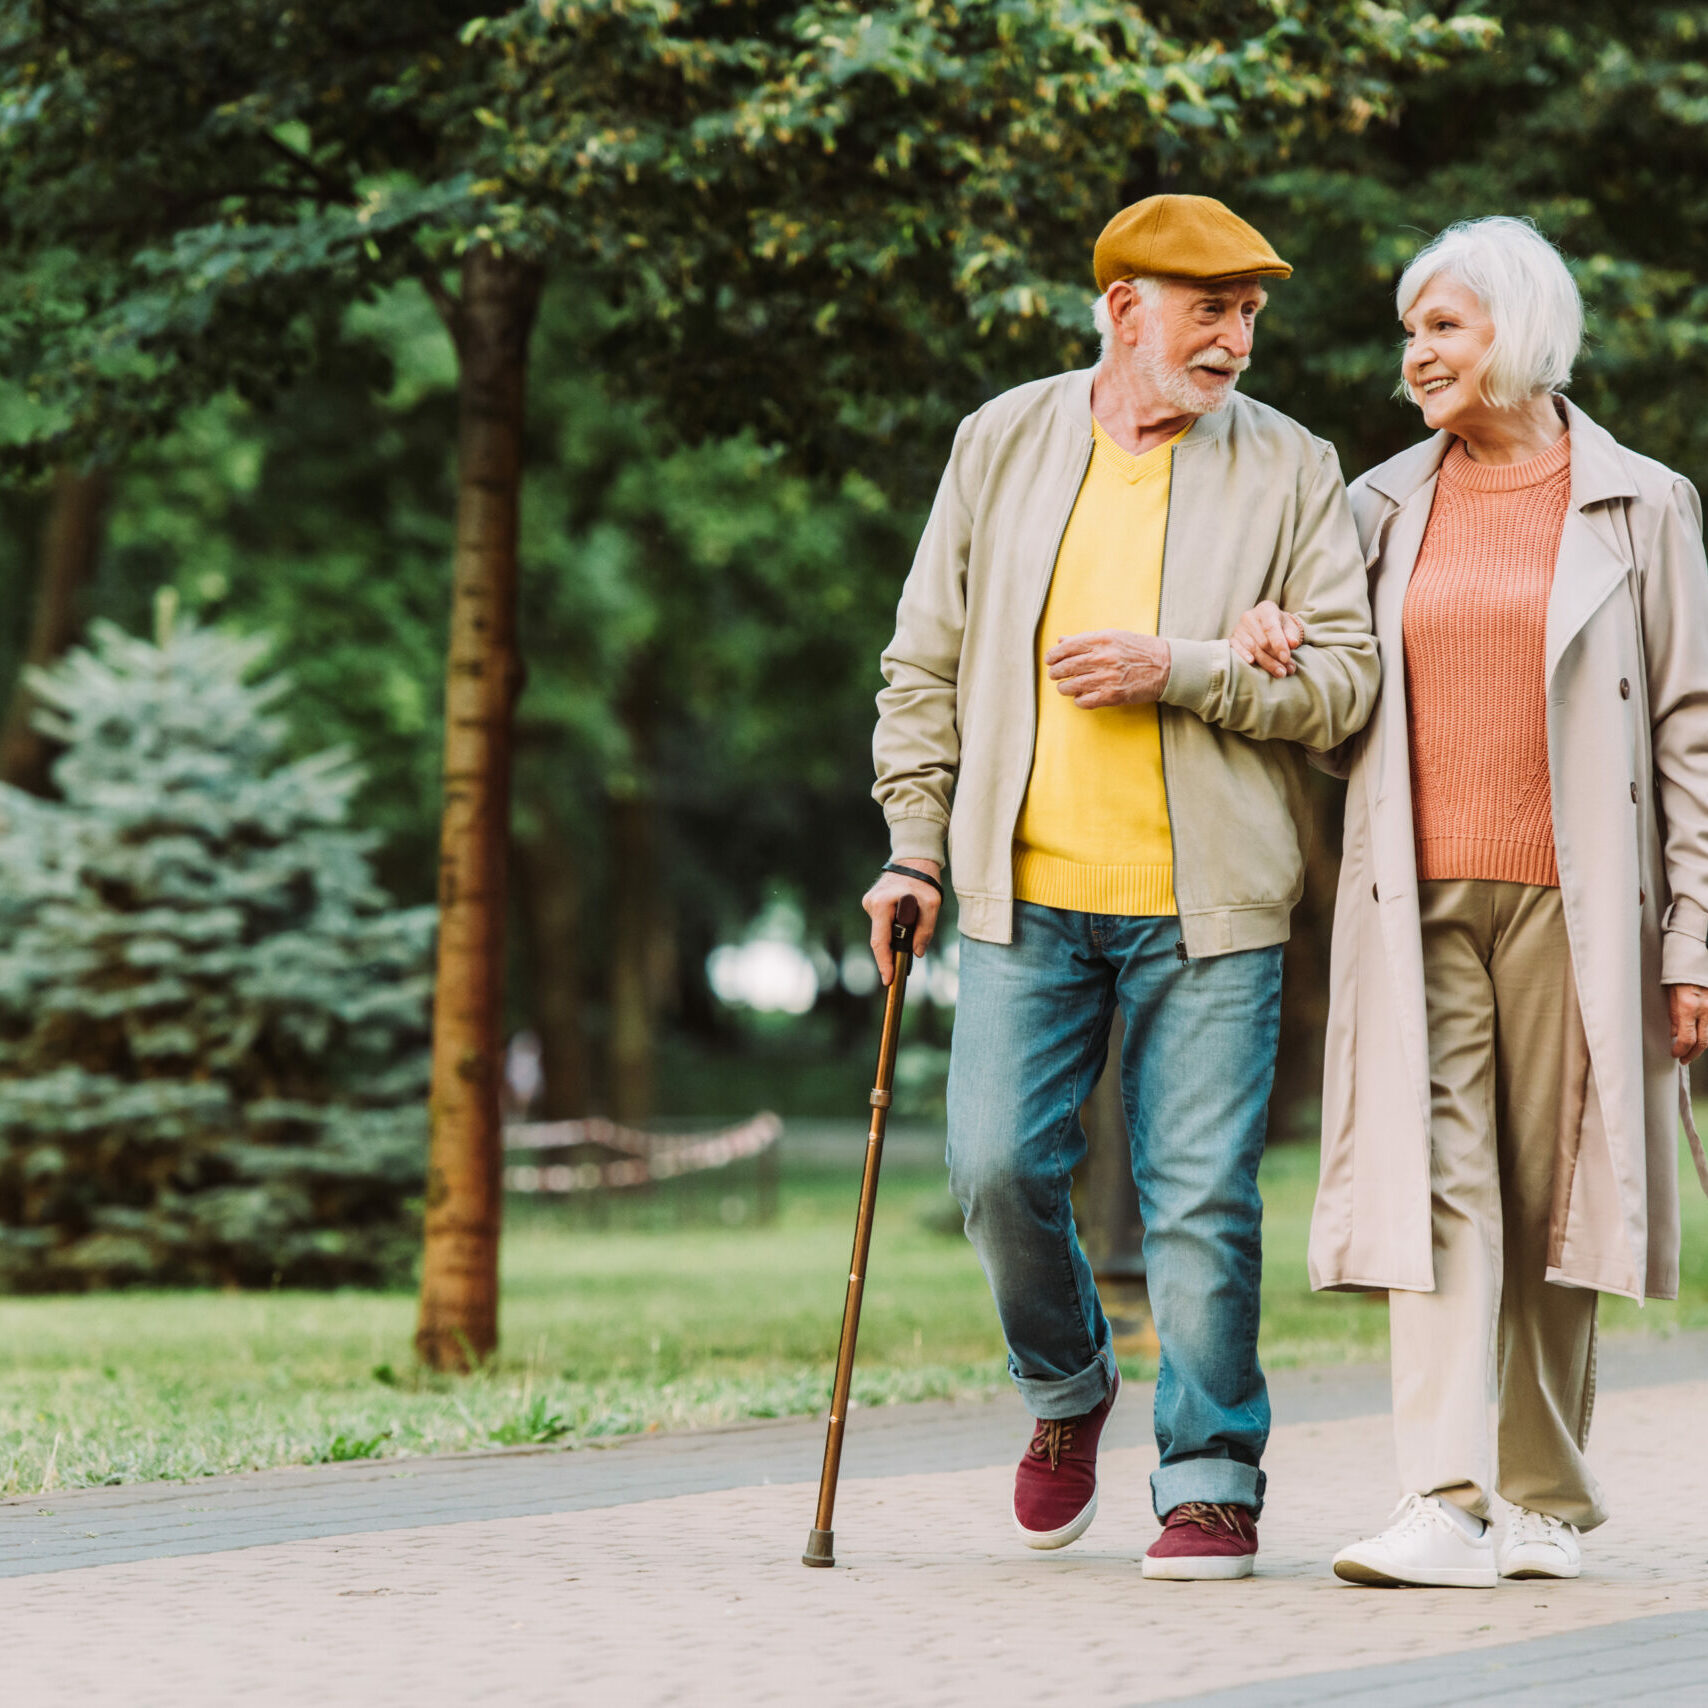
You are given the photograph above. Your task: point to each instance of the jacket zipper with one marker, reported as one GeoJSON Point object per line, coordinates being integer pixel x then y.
{"type": "Point", "coordinates": [1037, 618]}
{"type": "Point", "coordinates": [1162, 724]}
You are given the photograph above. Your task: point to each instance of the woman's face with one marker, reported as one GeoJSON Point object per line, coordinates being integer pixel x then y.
{"type": "Point", "coordinates": [1448, 332]}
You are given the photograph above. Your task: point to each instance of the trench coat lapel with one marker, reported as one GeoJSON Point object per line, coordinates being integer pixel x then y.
{"type": "Point", "coordinates": [1398, 544]}
{"type": "Point", "coordinates": [1407, 482]}
{"type": "Point", "coordinates": [1595, 547]}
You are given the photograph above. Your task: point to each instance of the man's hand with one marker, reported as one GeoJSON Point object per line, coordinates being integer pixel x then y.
{"type": "Point", "coordinates": [880, 902]}
{"type": "Point", "coordinates": [1687, 1005]}
{"type": "Point", "coordinates": [1112, 667]}
{"type": "Point", "coordinates": [1266, 636]}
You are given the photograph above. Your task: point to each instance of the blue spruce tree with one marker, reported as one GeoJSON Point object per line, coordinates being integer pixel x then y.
{"type": "Point", "coordinates": [213, 1024]}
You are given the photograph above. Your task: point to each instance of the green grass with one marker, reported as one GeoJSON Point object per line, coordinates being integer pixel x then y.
{"type": "Point", "coordinates": [634, 1326]}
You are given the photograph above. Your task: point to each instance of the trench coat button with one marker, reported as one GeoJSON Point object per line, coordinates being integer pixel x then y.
{"type": "Point", "coordinates": [1373, 895]}
{"type": "Point", "coordinates": [1642, 898]}
{"type": "Point", "coordinates": [1633, 791]}
{"type": "Point", "coordinates": [1624, 688]}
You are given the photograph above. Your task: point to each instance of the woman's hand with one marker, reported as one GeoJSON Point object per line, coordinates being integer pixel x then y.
{"type": "Point", "coordinates": [1266, 636]}
{"type": "Point", "coordinates": [1687, 1006]}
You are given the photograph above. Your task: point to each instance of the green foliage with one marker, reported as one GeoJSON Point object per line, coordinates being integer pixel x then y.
{"type": "Point", "coordinates": [815, 216]}
{"type": "Point", "coordinates": [1590, 117]}
{"type": "Point", "coordinates": [342, 1448]}
{"type": "Point", "coordinates": [211, 1021]}
{"type": "Point", "coordinates": [536, 1424]}
{"type": "Point", "coordinates": [755, 599]}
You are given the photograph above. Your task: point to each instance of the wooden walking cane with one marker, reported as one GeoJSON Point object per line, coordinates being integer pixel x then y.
{"type": "Point", "coordinates": [821, 1543]}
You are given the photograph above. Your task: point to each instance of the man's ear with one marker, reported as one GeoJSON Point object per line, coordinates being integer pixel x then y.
{"type": "Point", "coordinates": [1124, 301]}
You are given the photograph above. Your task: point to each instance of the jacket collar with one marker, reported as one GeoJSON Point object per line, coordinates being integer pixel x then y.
{"type": "Point", "coordinates": [1399, 477]}
{"type": "Point", "coordinates": [1074, 401]}
{"type": "Point", "coordinates": [1599, 469]}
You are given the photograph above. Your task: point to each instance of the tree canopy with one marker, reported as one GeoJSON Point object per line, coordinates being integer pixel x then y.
{"type": "Point", "coordinates": [820, 220]}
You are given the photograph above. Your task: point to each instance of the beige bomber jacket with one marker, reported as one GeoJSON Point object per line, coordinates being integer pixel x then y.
{"type": "Point", "coordinates": [1257, 510]}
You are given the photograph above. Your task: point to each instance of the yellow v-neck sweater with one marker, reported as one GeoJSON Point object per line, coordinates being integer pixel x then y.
{"type": "Point", "coordinates": [1093, 835]}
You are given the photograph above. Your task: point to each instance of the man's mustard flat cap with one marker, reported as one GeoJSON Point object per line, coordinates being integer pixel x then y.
{"type": "Point", "coordinates": [1183, 237]}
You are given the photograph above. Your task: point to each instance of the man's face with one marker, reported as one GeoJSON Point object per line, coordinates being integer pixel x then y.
{"type": "Point", "coordinates": [1194, 342]}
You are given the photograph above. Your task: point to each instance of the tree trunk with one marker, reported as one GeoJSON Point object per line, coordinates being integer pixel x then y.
{"type": "Point", "coordinates": [641, 961]}
{"type": "Point", "coordinates": [71, 544]}
{"type": "Point", "coordinates": [459, 1276]}
{"type": "Point", "coordinates": [634, 934]}
{"type": "Point", "coordinates": [551, 910]}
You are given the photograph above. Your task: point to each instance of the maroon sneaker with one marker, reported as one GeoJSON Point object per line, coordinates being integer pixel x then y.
{"type": "Point", "coordinates": [1199, 1540]}
{"type": "Point", "coordinates": [1055, 1489]}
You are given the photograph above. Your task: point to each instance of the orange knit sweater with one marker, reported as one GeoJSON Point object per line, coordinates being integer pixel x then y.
{"type": "Point", "coordinates": [1476, 618]}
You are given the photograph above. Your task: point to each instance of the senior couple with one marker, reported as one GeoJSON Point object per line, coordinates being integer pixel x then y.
{"type": "Point", "coordinates": [1142, 604]}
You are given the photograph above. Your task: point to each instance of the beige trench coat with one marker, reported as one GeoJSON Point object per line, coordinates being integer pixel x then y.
{"type": "Point", "coordinates": [1627, 676]}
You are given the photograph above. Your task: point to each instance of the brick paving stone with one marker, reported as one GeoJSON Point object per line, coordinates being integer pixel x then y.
{"type": "Point", "coordinates": [698, 1599]}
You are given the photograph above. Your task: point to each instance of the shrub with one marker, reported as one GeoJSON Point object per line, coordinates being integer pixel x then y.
{"type": "Point", "coordinates": [212, 1021]}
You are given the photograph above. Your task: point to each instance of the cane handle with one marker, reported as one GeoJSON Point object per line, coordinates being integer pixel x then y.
{"type": "Point", "coordinates": [906, 919]}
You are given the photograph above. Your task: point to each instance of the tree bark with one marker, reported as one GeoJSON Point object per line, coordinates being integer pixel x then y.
{"type": "Point", "coordinates": [551, 908]}
{"type": "Point", "coordinates": [458, 1325]}
{"type": "Point", "coordinates": [634, 933]}
{"type": "Point", "coordinates": [70, 548]}
{"type": "Point", "coordinates": [641, 959]}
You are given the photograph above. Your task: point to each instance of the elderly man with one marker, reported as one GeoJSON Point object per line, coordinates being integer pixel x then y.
{"type": "Point", "coordinates": [1125, 809]}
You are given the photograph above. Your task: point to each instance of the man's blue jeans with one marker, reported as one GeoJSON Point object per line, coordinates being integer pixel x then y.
{"type": "Point", "coordinates": [1031, 1031]}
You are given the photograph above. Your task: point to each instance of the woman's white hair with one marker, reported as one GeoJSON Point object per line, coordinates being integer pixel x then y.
{"type": "Point", "coordinates": [1150, 293]}
{"type": "Point", "coordinates": [1523, 284]}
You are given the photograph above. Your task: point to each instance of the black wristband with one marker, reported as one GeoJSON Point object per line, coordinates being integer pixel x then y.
{"type": "Point", "coordinates": [910, 872]}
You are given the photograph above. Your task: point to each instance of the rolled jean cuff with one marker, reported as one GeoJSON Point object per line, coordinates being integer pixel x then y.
{"type": "Point", "coordinates": [1220, 1482]}
{"type": "Point", "coordinates": [1072, 1396]}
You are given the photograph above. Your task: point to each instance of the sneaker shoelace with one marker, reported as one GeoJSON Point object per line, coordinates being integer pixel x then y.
{"type": "Point", "coordinates": [1416, 1512]}
{"type": "Point", "coordinates": [1052, 1438]}
{"type": "Point", "coordinates": [1527, 1526]}
{"type": "Point", "coordinates": [1209, 1516]}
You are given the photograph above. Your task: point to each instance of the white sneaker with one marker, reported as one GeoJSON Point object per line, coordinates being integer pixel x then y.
{"type": "Point", "coordinates": [1423, 1544]}
{"type": "Point", "coordinates": [1536, 1545]}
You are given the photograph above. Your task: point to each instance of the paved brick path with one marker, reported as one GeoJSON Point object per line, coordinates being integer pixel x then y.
{"type": "Point", "coordinates": [665, 1572]}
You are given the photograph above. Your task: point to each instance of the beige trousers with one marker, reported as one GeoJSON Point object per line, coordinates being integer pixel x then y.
{"type": "Point", "coordinates": [1498, 985]}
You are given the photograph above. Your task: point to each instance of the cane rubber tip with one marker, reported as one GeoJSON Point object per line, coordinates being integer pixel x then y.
{"type": "Point", "coordinates": [821, 1548]}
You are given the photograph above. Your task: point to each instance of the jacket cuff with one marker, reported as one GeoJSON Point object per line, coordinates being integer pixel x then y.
{"type": "Point", "coordinates": [919, 839]}
{"type": "Point", "coordinates": [1684, 959]}
{"type": "Point", "coordinates": [1684, 944]}
{"type": "Point", "coordinates": [1197, 672]}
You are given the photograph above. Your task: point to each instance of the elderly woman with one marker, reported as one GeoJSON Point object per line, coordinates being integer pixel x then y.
{"type": "Point", "coordinates": [1519, 953]}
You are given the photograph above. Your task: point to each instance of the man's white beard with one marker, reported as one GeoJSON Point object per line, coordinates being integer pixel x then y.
{"type": "Point", "coordinates": [1174, 383]}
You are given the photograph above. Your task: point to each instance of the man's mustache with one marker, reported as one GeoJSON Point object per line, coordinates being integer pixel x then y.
{"type": "Point", "coordinates": [1220, 360]}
